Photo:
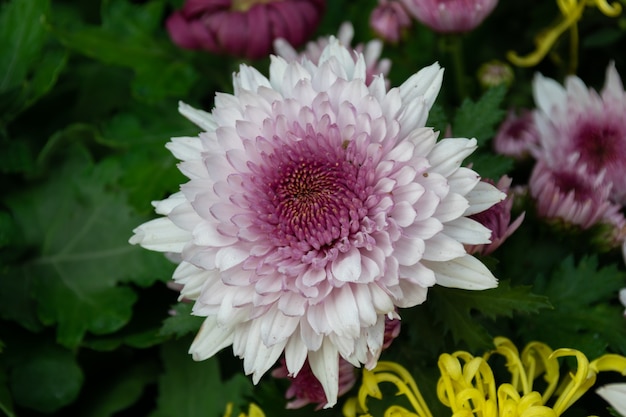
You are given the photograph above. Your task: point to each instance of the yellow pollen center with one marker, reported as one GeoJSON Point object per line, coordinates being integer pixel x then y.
{"type": "Point", "coordinates": [245, 5]}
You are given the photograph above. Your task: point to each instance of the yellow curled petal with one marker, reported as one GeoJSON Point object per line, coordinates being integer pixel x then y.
{"type": "Point", "coordinates": [537, 361]}
{"type": "Point", "coordinates": [580, 382]}
{"type": "Point", "coordinates": [610, 10]}
{"type": "Point", "coordinates": [254, 411]}
{"type": "Point", "coordinates": [609, 362]}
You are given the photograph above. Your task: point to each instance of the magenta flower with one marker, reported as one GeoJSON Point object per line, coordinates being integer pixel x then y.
{"type": "Point", "coordinates": [450, 16]}
{"type": "Point", "coordinates": [572, 194]}
{"type": "Point", "coordinates": [517, 135]}
{"type": "Point", "coordinates": [313, 51]}
{"type": "Point", "coordinates": [497, 219]}
{"type": "Point", "coordinates": [316, 205]}
{"type": "Point", "coordinates": [243, 28]}
{"type": "Point", "coordinates": [389, 20]}
{"type": "Point", "coordinates": [576, 120]}
{"type": "Point", "coordinates": [305, 389]}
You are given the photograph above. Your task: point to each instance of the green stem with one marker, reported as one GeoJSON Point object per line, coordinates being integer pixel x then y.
{"type": "Point", "coordinates": [455, 48]}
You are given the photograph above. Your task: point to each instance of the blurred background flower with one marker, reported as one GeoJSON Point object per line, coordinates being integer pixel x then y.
{"type": "Point", "coordinates": [390, 20]}
{"type": "Point", "coordinates": [243, 28]}
{"type": "Point", "coordinates": [450, 16]}
{"type": "Point", "coordinates": [372, 50]}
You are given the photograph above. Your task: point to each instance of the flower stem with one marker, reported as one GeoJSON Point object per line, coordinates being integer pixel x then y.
{"type": "Point", "coordinates": [453, 46]}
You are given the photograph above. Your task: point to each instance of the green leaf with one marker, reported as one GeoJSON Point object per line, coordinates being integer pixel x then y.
{"type": "Point", "coordinates": [573, 285]}
{"type": "Point", "coordinates": [6, 402]}
{"type": "Point", "coordinates": [459, 310]}
{"type": "Point", "coordinates": [79, 225]}
{"type": "Point", "coordinates": [489, 165]}
{"type": "Point", "coordinates": [120, 391]}
{"type": "Point", "coordinates": [584, 316]}
{"type": "Point", "coordinates": [437, 119]}
{"type": "Point", "coordinates": [17, 302]}
{"type": "Point", "coordinates": [47, 380]}
{"type": "Point", "coordinates": [479, 119]}
{"type": "Point", "coordinates": [30, 69]}
{"type": "Point", "coordinates": [15, 156]}
{"type": "Point", "coordinates": [181, 322]}
{"type": "Point", "coordinates": [131, 36]}
{"type": "Point", "coordinates": [22, 36]}
{"type": "Point", "coordinates": [195, 389]}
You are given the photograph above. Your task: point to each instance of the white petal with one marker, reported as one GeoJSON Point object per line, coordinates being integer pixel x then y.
{"type": "Point", "coordinates": [249, 78]}
{"type": "Point", "coordinates": [615, 395]}
{"type": "Point", "coordinates": [347, 266]}
{"type": "Point", "coordinates": [465, 272]}
{"type": "Point", "coordinates": [442, 247]}
{"type": "Point", "coordinates": [548, 93]}
{"type": "Point", "coordinates": [483, 196]}
{"type": "Point", "coordinates": [276, 327]}
{"type": "Point", "coordinates": [426, 82]}
{"type": "Point", "coordinates": [295, 354]}
{"type": "Point", "coordinates": [409, 251]}
{"type": "Point", "coordinates": [412, 294]}
{"type": "Point", "coordinates": [325, 366]}
{"type": "Point", "coordinates": [206, 234]}
{"type": "Point", "coordinates": [451, 207]}
{"type": "Point", "coordinates": [230, 256]}
{"type": "Point", "coordinates": [199, 117]}
{"type": "Point", "coordinates": [160, 235]}
{"type": "Point", "coordinates": [448, 154]}
{"type": "Point", "coordinates": [467, 231]}
{"type": "Point", "coordinates": [185, 148]}
{"type": "Point", "coordinates": [164, 207]}
{"type": "Point", "coordinates": [210, 339]}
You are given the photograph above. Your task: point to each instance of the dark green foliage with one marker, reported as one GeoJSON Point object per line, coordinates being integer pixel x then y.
{"type": "Point", "coordinates": [89, 92]}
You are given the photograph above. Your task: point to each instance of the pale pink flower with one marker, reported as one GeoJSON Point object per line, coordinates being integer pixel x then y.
{"type": "Point", "coordinates": [517, 135]}
{"type": "Point", "coordinates": [316, 205]}
{"type": "Point", "coordinates": [243, 28]}
{"type": "Point", "coordinates": [313, 51]}
{"type": "Point", "coordinates": [497, 219]}
{"type": "Point", "coordinates": [576, 120]}
{"type": "Point", "coordinates": [450, 16]}
{"type": "Point", "coordinates": [389, 20]}
{"type": "Point", "coordinates": [572, 194]}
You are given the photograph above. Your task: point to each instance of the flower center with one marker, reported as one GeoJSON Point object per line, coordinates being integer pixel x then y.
{"type": "Point", "coordinates": [245, 5]}
{"type": "Point", "coordinates": [317, 201]}
{"type": "Point", "coordinates": [569, 181]}
{"type": "Point", "coordinates": [599, 145]}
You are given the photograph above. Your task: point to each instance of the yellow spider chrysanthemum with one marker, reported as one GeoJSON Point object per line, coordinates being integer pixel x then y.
{"type": "Point", "coordinates": [253, 411]}
{"type": "Point", "coordinates": [468, 387]}
{"type": "Point", "coordinates": [571, 11]}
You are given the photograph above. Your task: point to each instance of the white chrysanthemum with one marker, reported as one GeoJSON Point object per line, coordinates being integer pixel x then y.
{"type": "Point", "coordinates": [315, 205]}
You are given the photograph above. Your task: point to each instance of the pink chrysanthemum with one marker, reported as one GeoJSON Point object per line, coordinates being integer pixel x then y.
{"type": "Point", "coordinates": [315, 206]}
{"type": "Point", "coordinates": [517, 135]}
{"type": "Point", "coordinates": [497, 219]}
{"type": "Point", "coordinates": [313, 51]}
{"type": "Point", "coordinates": [450, 16]}
{"type": "Point", "coordinates": [572, 194]}
{"type": "Point", "coordinates": [576, 120]}
{"type": "Point", "coordinates": [244, 28]}
{"type": "Point", "coordinates": [389, 20]}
